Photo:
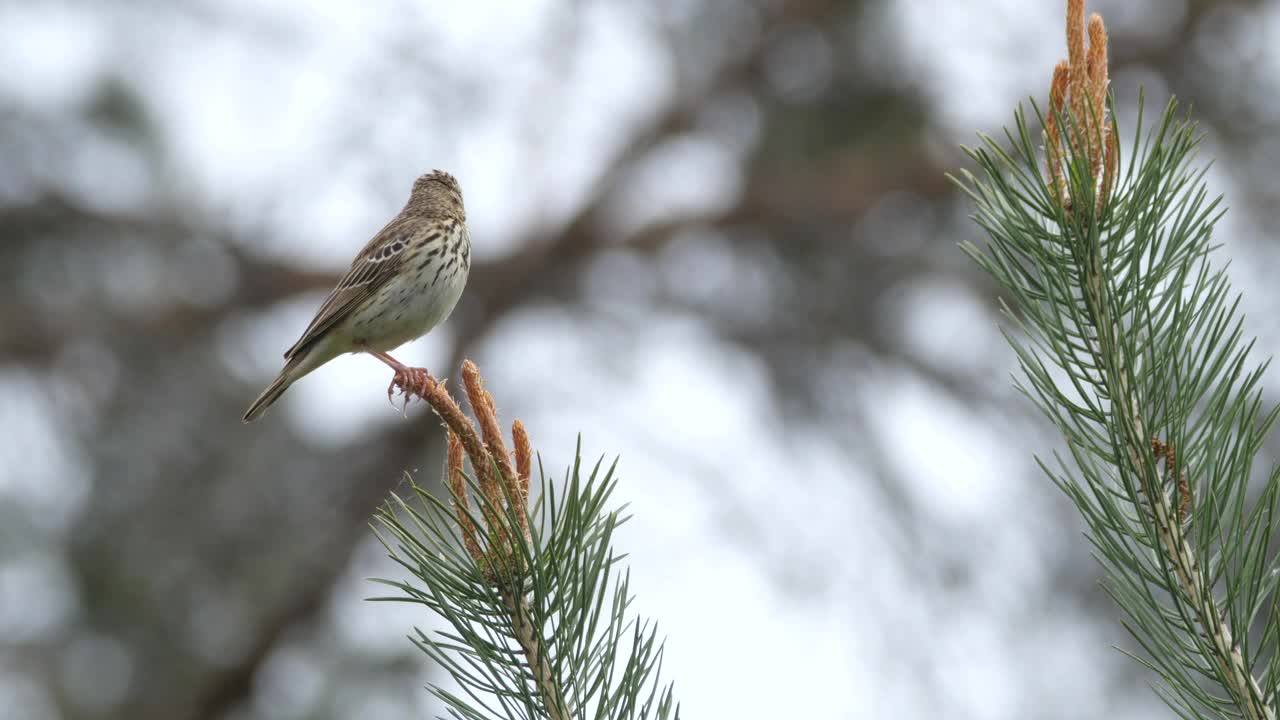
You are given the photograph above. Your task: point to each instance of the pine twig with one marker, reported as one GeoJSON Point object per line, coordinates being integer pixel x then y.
{"type": "Point", "coordinates": [531, 624]}
{"type": "Point", "coordinates": [1124, 329]}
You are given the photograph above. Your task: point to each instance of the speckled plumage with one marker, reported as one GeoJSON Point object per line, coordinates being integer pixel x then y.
{"type": "Point", "coordinates": [403, 283]}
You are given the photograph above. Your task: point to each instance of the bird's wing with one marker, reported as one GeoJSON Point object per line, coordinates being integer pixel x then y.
{"type": "Point", "coordinates": [378, 262]}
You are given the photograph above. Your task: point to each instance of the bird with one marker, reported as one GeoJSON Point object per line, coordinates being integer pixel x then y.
{"type": "Point", "coordinates": [404, 282]}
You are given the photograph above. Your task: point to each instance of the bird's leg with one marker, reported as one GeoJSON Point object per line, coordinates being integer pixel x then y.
{"type": "Point", "coordinates": [411, 380]}
{"type": "Point", "coordinates": [391, 362]}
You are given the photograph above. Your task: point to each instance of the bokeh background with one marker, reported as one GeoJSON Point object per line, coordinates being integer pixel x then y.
{"type": "Point", "coordinates": [714, 238]}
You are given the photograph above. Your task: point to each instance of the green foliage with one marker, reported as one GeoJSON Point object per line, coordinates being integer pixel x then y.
{"type": "Point", "coordinates": [546, 635]}
{"type": "Point", "coordinates": [1130, 342]}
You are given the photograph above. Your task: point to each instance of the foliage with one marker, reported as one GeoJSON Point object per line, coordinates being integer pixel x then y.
{"type": "Point", "coordinates": [534, 597]}
{"type": "Point", "coordinates": [1130, 342]}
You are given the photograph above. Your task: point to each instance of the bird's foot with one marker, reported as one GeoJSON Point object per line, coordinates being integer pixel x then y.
{"type": "Point", "coordinates": [410, 381]}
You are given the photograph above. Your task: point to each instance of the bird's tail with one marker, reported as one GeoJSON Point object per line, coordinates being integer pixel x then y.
{"type": "Point", "coordinates": [287, 377]}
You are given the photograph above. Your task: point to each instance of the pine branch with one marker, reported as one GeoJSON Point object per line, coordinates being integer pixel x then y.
{"type": "Point", "coordinates": [530, 642]}
{"type": "Point", "coordinates": [1129, 342]}
{"type": "Point", "coordinates": [534, 631]}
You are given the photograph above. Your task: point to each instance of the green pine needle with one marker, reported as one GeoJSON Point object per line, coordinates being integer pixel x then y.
{"type": "Point", "coordinates": [1130, 341]}
{"type": "Point", "coordinates": [570, 603]}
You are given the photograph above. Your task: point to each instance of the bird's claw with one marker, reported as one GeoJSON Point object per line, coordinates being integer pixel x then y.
{"type": "Point", "coordinates": [409, 381]}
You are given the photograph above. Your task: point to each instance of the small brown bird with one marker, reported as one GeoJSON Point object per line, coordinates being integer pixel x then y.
{"type": "Point", "coordinates": [403, 283]}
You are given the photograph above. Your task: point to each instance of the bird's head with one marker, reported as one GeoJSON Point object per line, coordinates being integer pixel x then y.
{"type": "Point", "coordinates": [437, 194]}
